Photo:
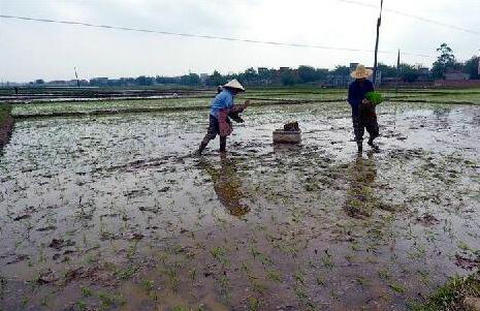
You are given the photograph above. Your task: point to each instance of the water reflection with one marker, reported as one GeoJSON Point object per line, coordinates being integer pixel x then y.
{"type": "Point", "coordinates": [361, 175]}
{"type": "Point", "coordinates": [227, 185]}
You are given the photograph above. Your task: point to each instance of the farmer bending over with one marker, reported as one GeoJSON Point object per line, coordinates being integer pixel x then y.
{"type": "Point", "coordinates": [363, 111]}
{"type": "Point", "coordinates": [222, 108]}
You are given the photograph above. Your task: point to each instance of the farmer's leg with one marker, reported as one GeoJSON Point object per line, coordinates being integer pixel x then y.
{"type": "Point", "coordinates": [223, 143]}
{"type": "Point", "coordinates": [359, 130]}
{"type": "Point", "coordinates": [211, 134]}
{"type": "Point", "coordinates": [373, 130]}
{"type": "Point", "coordinates": [223, 139]}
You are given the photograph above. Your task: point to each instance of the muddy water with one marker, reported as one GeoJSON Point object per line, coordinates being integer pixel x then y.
{"type": "Point", "coordinates": [113, 212]}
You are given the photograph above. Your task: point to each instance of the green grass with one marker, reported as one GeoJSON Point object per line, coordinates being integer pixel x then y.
{"type": "Point", "coordinates": [127, 273]}
{"type": "Point", "coordinates": [111, 299]}
{"type": "Point", "coordinates": [451, 295]}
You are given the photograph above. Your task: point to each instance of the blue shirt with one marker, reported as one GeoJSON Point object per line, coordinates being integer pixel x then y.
{"type": "Point", "coordinates": [357, 92]}
{"type": "Point", "coordinates": [223, 100]}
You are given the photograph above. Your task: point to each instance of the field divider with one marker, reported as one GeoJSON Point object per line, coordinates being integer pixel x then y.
{"type": "Point", "coordinates": [35, 101]}
{"type": "Point", "coordinates": [260, 103]}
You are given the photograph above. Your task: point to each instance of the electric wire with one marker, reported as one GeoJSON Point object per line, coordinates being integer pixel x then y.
{"type": "Point", "coordinates": [211, 37]}
{"type": "Point", "coordinates": [417, 17]}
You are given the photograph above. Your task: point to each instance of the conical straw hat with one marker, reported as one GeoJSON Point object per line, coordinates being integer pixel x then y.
{"type": "Point", "coordinates": [361, 72]}
{"type": "Point", "coordinates": [234, 84]}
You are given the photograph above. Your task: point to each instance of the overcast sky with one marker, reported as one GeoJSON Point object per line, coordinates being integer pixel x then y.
{"type": "Point", "coordinates": [31, 50]}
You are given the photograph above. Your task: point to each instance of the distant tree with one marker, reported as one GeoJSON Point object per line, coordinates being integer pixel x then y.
{"type": "Point", "coordinates": [216, 79]}
{"type": "Point", "coordinates": [250, 74]}
{"type": "Point", "coordinates": [445, 61]}
{"type": "Point", "coordinates": [167, 80]}
{"type": "Point", "coordinates": [321, 74]}
{"type": "Point", "coordinates": [127, 81]}
{"type": "Point", "coordinates": [114, 82]}
{"type": "Point", "coordinates": [190, 79]}
{"type": "Point", "coordinates": [408, 73]}
{"type": "Point", "coordinates": [387, 71]}
{"type": "Point", "coordinates": [472, 66]}
{"type": "Point", "coordinates": [307, 74]}
{"type": "Point", "coordinates": [248, 77]}
{"type": "Point", "coordinates": [266, 76]}
{"type": "Point", "coordinates": [143, 80]}
{"type": "Point", "coordinates": [288, 78]}
{"type": "Point", "coordinates": [39, 81]}
{"type": "Point", "coordinates": [341, 71]}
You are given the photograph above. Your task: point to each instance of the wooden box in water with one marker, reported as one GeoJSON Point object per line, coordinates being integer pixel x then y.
{"type": "Point", "coordinates": [287, 137]}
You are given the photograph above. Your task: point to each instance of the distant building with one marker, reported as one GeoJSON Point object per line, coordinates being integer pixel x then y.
{"type": "Point", "coordinates": [262, 70]}
{"type": "Point", "coordinates": [456, 75]}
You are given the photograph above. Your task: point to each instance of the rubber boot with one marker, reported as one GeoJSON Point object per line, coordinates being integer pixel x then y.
{"type": "Point", "coordinates": [371, 144]}
{"type": "Point", "coordinates": [360, 146]}
{"type": "Point", "coordinates": [223, 144]}
{"type": "Point", "coordinates": [202, 146]}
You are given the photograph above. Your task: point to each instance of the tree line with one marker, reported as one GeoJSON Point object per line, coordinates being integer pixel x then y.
{"type": "Point", "coordinates": [446, 62]}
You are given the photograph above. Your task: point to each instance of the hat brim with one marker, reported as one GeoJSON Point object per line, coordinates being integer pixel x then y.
{"type": "Point", "coordinates": [366, 74]}
{"type": "Point", "coordinates": [234, 88]}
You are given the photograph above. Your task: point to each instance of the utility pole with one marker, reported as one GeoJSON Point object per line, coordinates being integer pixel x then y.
{"type": "Point", "coordinates": [398, 71]}
{"type": "Point", "coordinates": [379, 23]}
{"type": "Point", "coordinates": [76, 76]}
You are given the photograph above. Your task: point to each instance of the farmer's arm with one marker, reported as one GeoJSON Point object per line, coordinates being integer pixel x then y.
{"type": "Point", "coordinates": [351, 95]}
{"type": "Point", "coordinates": [241, 107]}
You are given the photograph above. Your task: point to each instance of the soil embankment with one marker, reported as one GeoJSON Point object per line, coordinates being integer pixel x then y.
{"type": "Point", "coordinates": [6, 125]}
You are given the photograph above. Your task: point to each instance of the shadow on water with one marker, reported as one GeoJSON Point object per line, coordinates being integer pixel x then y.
{"type": "Point", "coordinates": [227, 185]}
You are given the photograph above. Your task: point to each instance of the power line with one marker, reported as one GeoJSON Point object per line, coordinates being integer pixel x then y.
{"type": "Point", "coordinates": [420, 18]}
{"type": "Point", "coordinates": [189, 35]}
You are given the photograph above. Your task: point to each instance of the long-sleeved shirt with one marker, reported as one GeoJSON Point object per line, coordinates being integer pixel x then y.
{"type": "Point", "coordinates": [357, 92]}
{"type": "Point", "coordinates": [223, 100]}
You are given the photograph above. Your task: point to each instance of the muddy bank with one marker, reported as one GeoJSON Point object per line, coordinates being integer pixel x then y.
{"type": "Point", "coordinates": [6, 126]}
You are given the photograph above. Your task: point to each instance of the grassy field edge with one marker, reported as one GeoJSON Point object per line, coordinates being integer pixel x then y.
{"type": "Point", "coordinates": [6, 124]}
{"type": "Point", "coordinates": [451, 296]}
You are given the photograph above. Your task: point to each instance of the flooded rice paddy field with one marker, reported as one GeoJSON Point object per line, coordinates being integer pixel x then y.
{"type": "Point", "coordinates": [198, 99]}
{"type": "Point", "coordinates": [114, 213]}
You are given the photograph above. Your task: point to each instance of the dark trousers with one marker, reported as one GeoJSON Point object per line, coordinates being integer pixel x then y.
{"type": "Point", "coordinates": [213, 129]}
{"type": "Point", "coordinates": [359, 126]}
{"type": "Point", "coordinates": [212, 132]}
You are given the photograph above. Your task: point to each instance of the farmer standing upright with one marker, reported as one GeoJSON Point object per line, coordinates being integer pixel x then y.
{"type": "Point", "coordinates": [363, 111]}
{"type": "Point", "coordinates": [222, 106]}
